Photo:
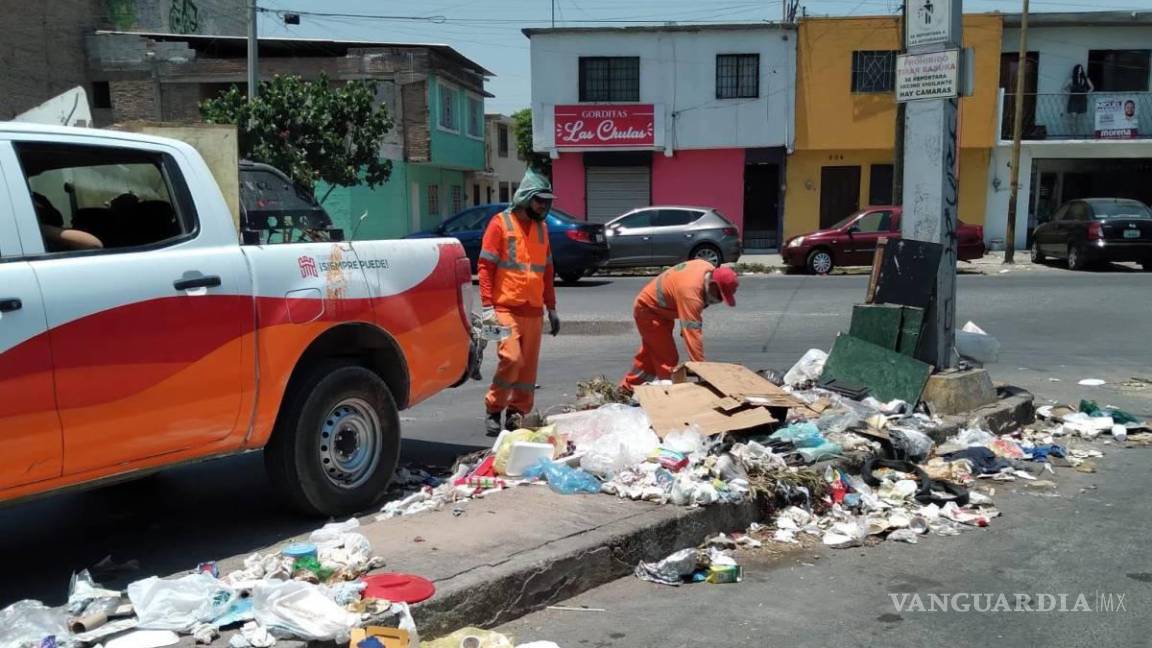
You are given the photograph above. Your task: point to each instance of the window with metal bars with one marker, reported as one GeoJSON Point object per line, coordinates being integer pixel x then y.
{"type": "Point", "coordinates": [457, 198]}
{"type": "Point", "coordinates": [737, 76]}
{"type": "Point", "coordinates": [874, 71]}
{"type": "Point", "coordinates": [609, 78]}
{"type": "Point", "coordinates": [433, 200]}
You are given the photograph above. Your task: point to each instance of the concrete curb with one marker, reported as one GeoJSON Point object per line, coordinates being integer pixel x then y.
{"type": "Point", "coordinates": [1015, 408]}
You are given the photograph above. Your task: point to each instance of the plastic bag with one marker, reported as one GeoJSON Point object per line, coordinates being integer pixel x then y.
{"type": "Point", "coordinates": [809, 367]}
{"type": "Point", "coordinates": [29, 621]}
{"type": "Point", "coordinates": [969, 437]}
{"type": "Point", "coordinates": [671, 570]}
{"type": "Point", "coordinates": [687, 441]}
{"type": "Point", "coordinates": [584, 428]}
{"type": "Point", "coordinates": [916, 445]}
{"type": "Point", "coordinates": [618, 450]}
{"type": "Point", "coordinates": [301, 610]}
{"type": "Point", "coordinates": [338, 547]}
{"type": "Point", "coordinates": [180, 603]}
{"type": "Point", "coordinates": [507, 439]}
{"type": "Point", "coordinates": [972, 342]}
{"type": "Point", "coordinates": [564, 479]}
{"type": "Point", "coordinates": [801, 435]}
{"type": "Point", "coordinates": [83, 590]}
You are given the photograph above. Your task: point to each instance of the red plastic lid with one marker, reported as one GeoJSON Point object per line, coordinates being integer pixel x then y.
{"type": "Point", "coordinates": [398, 588]}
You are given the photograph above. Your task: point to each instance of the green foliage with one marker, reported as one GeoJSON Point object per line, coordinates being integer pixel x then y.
{"type": "Point", "coordinates": [538, 161]}
{"type": "Point", "coordinates": [311, 130]}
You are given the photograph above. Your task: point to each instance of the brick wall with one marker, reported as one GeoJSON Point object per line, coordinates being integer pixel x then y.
{"type": "Point", "coordinates": [417, 141]}
{"type": "Point", "coordinates": [134, 101]}
{"type": "Point", "coordinates": [180, 102]}
{"type": "Point", "coordinates": [42, 50]}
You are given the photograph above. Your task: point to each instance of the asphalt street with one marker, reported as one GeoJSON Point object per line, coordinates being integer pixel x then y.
{"type": "Point", "coordinates": [1053, 326]}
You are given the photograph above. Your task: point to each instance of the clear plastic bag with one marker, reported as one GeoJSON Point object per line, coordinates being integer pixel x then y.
{"type": "Point", "coordinates": [916, 445]}
{"type": "Point", "coordinates": [972, 342]}
{"type": "Point", "coordinates": [180, 603]}
{"type": "Point", "coordinates": [564, 479]}
{"type": "Point", "coordinates": [809, 367]}
{"type": "Point", "coordinates": [584, 428]}
{"type": "Point", "coordinates": [301, 610]}
{"type": "Point", "coordinates": [29, 621]}
{"type": "Point", "coordinates": [618, 450]}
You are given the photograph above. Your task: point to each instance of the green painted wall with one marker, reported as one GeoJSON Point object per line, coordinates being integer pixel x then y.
{"type": "Point", "coordinates": [386, 205]}
{"type": "Point", "coordinates": [443, 180]}
{"type": "Point", "coordinates": [449, 149]}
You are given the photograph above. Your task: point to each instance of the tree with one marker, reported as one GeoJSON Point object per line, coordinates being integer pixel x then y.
{"type": "Point", "coordinates": [538, 161]}
{"type": "Point", "coordinates": [311, 130]}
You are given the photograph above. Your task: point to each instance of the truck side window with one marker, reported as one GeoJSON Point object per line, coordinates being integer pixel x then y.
{"type": "Point", "coordinates": [96, 197]}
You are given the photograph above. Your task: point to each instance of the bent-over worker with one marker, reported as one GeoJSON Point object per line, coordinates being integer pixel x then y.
{"type": "Point", "coordinates": [680, 293]}
{"type": "Point", "coordinates": [516, 285]}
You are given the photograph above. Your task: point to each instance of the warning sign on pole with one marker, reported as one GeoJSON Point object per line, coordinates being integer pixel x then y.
{"type": "Point", "coordinates": [928, 76]}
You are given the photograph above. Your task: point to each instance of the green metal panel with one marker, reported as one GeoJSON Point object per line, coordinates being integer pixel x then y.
{"type": "Point", "coordinates": [879, 324]}
{"type": "Point", "coordinates": [886, 373]}
{"type": "Point", "coordinates": [911, 331]}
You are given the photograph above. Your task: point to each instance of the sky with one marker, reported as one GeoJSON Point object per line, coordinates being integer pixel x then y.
{"type": "Point", "coordinates": [488, 31]}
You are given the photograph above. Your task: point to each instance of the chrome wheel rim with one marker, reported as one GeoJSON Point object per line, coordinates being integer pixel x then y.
{"type": "Point", "coordinates": [822, 262]}
{"type": "Point", "coordinates": [349, 443]}
{"type": "Point", "coordinates": [1073, 258]}
{"type": "Point", "coordinates": [709, 255]}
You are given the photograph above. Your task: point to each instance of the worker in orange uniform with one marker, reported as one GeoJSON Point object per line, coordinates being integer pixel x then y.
{"type": "Point", "coordinates": [516, 286]}
{"type": "Point", "coordinates": [680, 293]}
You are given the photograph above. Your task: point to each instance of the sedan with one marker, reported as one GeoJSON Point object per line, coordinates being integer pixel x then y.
{"type": "Point", "coordinates": [852, 241]}
{"type": "Point", "coordinates": [660, 236]}
{"type": "Point", "coordinates": [1096, 229]}
{"type": "Point", "coordinates": [578, 248]}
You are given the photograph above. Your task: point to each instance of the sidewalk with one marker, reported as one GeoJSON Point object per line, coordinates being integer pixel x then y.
{"type": "Point", "coordinates": [991, 263]}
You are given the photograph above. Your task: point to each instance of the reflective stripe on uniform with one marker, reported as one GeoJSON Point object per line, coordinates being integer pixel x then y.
{"type": "Point", "coordinates": [692, 324]}
{"type": "Point", "coordinates": [511, 248]}
{"type": "Point", "coordinates": [510, 265]}
{"type": "Point", "coordinates": [523, 387]}
{"type": "Point", "coordinates": [507, 220]}
{"type": "Point", "coordinates": [489, 256]}
{"type": "Point", "coordinates": [661, 300]}
{"type": "Point", "coordinates": [537, 267]}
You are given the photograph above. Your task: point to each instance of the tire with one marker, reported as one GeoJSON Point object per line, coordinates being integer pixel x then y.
{"type": "Point", "coordinates": [820, 261]}
{"type": "Point", "coordinates": [571, 277]}
{"type": "Point", "coordinates": [709, 253]}
{"type": "Point", "coordinates": [335, 404]}
{"type": "Point", "coordinates": [1037, 256]}
{"type": "Point", "coordinates": [1076, 260]}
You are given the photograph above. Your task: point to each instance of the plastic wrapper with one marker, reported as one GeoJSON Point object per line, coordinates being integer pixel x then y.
{"type": "Point", "coordinates": [179, 604]}
{"type": "Point", "coordinates": [471, 637]}
{"type": "Point", "coordinates": [671, 570]}
{"type": "Point", "coordinates": [617, 450]}
{"type": "Point", "coordinates": [807, 368]}
{"type": "Point", "coordinates": [83, 590]}
{"type": "Point", "coordinates": [916, 445]}
{"type": "Point", "coordinates": [301, 610]}
{"type": "Point", "coordinates": [28, 622]}
{"type": "Point", "coordinates": [563, 479]}
{"type": "Point", "coordinates": [801, 435]}
{"type": "Point", "coordinates": [338, 547]}
{"type": "Point", "coordinates": [583, 428]}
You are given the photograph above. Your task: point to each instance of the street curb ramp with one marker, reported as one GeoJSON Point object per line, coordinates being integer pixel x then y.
{"type": "Point", "coordinates": [494, 594]}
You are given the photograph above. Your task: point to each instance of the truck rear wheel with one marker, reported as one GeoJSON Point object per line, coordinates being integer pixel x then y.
{"type": "Point", "coordinates": [337, 441]}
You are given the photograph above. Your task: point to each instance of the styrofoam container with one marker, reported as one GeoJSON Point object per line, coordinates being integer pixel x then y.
{"type": "Point", "coordinates": [526, 454]}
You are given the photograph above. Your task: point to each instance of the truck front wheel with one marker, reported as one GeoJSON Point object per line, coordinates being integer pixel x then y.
{"type": "Point", "coordinates": [337, 441]}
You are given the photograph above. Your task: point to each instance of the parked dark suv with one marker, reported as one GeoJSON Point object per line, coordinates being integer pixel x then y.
{"type": "Point", "coordinates": [1096, 229]}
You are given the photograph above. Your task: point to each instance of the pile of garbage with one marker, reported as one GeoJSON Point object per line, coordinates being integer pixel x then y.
{"type": "Point", "coordinates": [313, 590]}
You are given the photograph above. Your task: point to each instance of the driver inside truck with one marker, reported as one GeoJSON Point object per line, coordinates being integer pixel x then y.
{"type": "Point", "coordinates": [58, 238]}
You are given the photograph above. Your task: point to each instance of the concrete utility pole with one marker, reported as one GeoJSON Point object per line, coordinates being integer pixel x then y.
{"type": "Point", "coordinates": [253, 52]}
{"type": "Point", "coordinates": [1017, 133]}
{"type": "Point", "coordinates": [928, 79]}
{"type": "Point", "coordinates": [898, 154]}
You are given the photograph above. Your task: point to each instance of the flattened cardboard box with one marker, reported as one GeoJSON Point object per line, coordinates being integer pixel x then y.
{"type": "Point", "coordinates": [716, 397]}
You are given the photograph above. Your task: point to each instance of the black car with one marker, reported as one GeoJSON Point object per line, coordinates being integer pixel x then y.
{"type": "Point", "coordinates": [1096, 229]}
{"type": "Point", "coordinates": [578, 248]}
{"type": "Point", "coordinates": [274, 209]}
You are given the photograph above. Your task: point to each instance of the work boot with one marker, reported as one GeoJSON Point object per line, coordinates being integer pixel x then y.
{"type": "Point", "coordinates": [513, 420]}
{"type": "Point", "coordinates": [492, 425]}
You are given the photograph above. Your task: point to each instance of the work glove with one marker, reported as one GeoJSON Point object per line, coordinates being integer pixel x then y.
{"type": "Point", "coordinates": [553, 321]}
{"type": "Point", "coordinates": [488, 316]}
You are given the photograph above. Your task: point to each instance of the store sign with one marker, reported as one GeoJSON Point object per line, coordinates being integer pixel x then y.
{"type": "Point", "coordinates": [928, 76]}
{"type": "Point", "coordinates": [601, 126]}
{"type": "Point", "coordinates": [929, 22]}
{"type": "Point", "coordinates": [1116, 118]}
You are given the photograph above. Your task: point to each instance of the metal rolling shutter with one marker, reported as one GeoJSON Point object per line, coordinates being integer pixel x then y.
{"type": "Point", "coordinates": [611, 191]}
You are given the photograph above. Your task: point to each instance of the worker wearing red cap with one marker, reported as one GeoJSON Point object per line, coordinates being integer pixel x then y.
{"type": "Point", "coordinates": [679, 294]}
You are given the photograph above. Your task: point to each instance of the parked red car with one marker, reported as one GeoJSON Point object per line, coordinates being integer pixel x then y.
{"type": "Point", "coordinates": [852, 241]}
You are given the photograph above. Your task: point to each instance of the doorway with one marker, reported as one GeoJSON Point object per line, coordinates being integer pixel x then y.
{"type": "Point", "coordinates": [761, 206]}
{"type": "Point", "coordinates": [839, 193]}
{"type": "Point", "coordinates": [1009, 68]}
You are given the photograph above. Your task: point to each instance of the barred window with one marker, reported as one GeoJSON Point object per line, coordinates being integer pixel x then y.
{"type": "Point", "coordinates": [433, 200]}
{"type": "Point", "coordinates": [475, 117]}
{"type": "Point", "coordinates": [874, 71]}
{"type": "Point", "coordinates": [609, 78]}
{"type": "Point", "coordinates": [737, 76]}
{"type": "Point", "coordinates": [449, 115]}
{"type": "Point", "coordinates": [457, 198]}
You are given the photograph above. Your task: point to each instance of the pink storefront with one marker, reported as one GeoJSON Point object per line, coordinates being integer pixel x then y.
{"type": "Point", "coordinates": [608, 161]}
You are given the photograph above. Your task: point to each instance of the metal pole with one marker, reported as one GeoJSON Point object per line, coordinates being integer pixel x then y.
{"type": "Point", "coordinates": [553, 14]}
{"type": "Point", "coordinates": [1017, 132]}
{"type": "Point", "coordinates": [901, 113]}
{"type": "Point", "coordinates": [253, 52]}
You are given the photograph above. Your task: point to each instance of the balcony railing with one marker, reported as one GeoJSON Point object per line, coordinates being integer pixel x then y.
{"type": "Point", "coordinates": [1062, 115]}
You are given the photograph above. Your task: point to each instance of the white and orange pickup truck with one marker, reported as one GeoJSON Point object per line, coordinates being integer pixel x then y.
{"type": "Point", "coordinates": [137, 333]}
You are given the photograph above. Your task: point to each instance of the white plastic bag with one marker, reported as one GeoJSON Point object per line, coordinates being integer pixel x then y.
{"type": "Point", "coordinates": [972, 342]}
{"type": "Point", "coordinates": [301, 610]}
{"type": "Point", "coordinates": [29, 621]}
{"type": "Point", "coordinates": [619, 447]}
{"type": "Point", "coordinates": [584, 428]}
{"type": "Point", "coordinates": [180, 603]}
{"type": "Point", "coordinates": [338, 547]}
{"type": "Point", "coordinates": [809, 367]}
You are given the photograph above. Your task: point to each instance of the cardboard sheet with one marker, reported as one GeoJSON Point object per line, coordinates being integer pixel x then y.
{"type": "Point", "coordinates": [675, 407]}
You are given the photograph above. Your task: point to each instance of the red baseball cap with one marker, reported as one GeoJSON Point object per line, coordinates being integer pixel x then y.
{"type": "Point", "coordinates": [727, 281]}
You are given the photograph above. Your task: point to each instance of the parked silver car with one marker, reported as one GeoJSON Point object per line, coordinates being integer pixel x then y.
{"type": "Point", "coordinates": [658, 236]}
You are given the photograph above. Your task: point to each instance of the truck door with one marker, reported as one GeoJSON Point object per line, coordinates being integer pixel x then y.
{"type": "Point", "coordinates": [30, 438]}
{"type": "Point", "coordinates": [148, 331]}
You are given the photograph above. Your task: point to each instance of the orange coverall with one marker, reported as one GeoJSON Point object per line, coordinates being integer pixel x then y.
{"type": "Point", "coordinates": [517, 279]}
{"type": "Point", "coordinates": [677, 294]}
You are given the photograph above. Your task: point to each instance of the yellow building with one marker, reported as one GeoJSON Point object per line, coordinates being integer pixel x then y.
{"type": "Point", "coordinates": [846, 116]}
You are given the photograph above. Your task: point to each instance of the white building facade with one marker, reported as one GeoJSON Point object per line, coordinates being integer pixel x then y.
{"type": "Point", "coordinates": [1080, 140]}
{"type": "Point", "coordinates": [687, 115]}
